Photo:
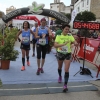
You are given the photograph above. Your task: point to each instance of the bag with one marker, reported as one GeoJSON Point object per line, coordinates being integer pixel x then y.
{"type": "Point", "coordinates": [95, 35]}
{"type": "Point", "coordinates": [85, 71]}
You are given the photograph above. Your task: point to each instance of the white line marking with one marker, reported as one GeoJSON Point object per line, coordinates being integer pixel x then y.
{"type": "Point", "coordinates": [45, 88]}
{"type": "Point", "coordinates": [73, 86]}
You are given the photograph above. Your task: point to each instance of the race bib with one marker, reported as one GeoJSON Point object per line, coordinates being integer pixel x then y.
{"type": "Point", "coordinates": [63, 49]}
{"type": "Point", "coordinates": [25, 39]}
{"type": "Point", "coordinates": [42, 41]}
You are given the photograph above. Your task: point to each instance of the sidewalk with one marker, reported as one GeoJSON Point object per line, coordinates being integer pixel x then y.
{"type": "Point", "coordinates": [86, 95]}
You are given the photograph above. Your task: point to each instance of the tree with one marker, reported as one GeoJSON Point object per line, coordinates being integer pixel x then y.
{"type": "Point", "coordinates": [85, 16]}
{"type": "Point", "coordinates": [68, 15]}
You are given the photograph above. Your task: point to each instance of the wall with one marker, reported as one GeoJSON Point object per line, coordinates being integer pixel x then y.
{"type": "Point", "coordinates": [95, 8]}
{"type": "Point", "coordinates": [67, 9]}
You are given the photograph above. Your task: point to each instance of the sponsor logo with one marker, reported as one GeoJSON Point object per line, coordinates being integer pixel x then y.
{"type": "Point", "coordinates": [88, 47]}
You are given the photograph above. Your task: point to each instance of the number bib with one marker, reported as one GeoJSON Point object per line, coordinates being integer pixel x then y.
{"type": "Point", "coordinates": [63, 49]}
{"type": "Point", "coordinates": [25, 40]}
{"type": "Point", "coordinates": [42, 41]}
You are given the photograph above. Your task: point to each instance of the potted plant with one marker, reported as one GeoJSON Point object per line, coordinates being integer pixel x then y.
{"type": "Point", "coordinates": [7, 51]}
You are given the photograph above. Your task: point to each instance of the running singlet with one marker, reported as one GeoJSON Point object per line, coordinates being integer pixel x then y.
{"type": "Point", "coordinates": [42, 30]}
{"type": "Point", "coordinates": [26, 37]}
{"type": "Point", "coordinates": [60, 39]}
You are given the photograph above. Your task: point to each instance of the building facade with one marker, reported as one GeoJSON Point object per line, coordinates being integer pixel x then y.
{"type": "Point", "coordinates": [60, 7]}
{"type": "Point", "coordinates": [95, 8]}
{"type": "Point", "coordinates": [73, 2]}
{"type": "Point", "coordinates": [82, 5]}
{"type": "Point", "coordinates": [88, 5]}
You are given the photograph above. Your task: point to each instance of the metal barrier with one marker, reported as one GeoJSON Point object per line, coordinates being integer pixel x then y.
{"type": "Point", "coordinates": [78, 53]}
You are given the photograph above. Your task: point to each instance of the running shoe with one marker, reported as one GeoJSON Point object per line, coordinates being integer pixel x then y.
{"type": "Point", "coordinates": [59, 79]}
{"type": "Point", "coordinates": [38, 71]}
{"type": "Point", "coordinates": [28, 63]}
{"type": "Point", "coordinates": [65, 89]}
{"type": "Point", "coordinates": [42, 71]}
{"type": "Point", "coordinates": [23, 68]}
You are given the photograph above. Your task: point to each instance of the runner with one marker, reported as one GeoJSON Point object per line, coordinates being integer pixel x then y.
{"type": "Point", "coordinates": [42, 34]}
{"type": "Point", "coordinates": [34, 39]}
{"type": "Point", "coordinates": [63, 44]}
{"type": "Point", "coordinates": [25, 43]}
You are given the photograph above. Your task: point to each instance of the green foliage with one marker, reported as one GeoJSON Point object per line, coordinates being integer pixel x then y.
{"type": "Point", "coordinates": [7, 51]}
{"type": "Point", "coordinates": [58, 21]}
{"type": "Point", "coordinates": [68, 16]}
{"type": "Point", "coordinates": [85, 16]}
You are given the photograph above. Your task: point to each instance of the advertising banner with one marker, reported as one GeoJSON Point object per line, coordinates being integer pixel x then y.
{"type": "Point", "coordinates": [90, 50]}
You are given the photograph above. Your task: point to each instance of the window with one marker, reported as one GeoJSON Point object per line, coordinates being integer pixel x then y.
{"type": "Point", "coordinates": [87, 2]}
{"type": "Point", "coordinates": [78, 9]}
{"type": "Point", "coordinates": [83, 4]}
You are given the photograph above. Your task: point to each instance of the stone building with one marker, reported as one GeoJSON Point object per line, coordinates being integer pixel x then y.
{"type": "Point", "coordinates": [95, 8]}
{"type": "Point", "coordinates": [60, 7]}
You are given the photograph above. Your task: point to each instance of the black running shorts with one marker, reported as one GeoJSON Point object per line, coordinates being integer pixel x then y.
{"type": "Point", "coordinates": [25, 47]}
{"type": "Point", "coordinates": [61, 56]}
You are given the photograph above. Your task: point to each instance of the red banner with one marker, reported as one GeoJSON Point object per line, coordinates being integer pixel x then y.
{"type": "Point", "coordinates": [27, 18]}
{"type": "Point", "coordinates": [91, 49]}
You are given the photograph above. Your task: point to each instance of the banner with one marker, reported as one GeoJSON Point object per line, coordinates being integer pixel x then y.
{"type": "Point", "coordinates": [90, 50]}
{"type": "Point", "coordinates": [73, 15]}
{"type": "Point", "coordinates": [27, 18]}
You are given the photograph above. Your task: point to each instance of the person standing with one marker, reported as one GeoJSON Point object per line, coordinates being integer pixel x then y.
{"type": "Point", "coordinates": [42, 34]}
{"type": "Point", "coordinates": [25, 42]}
{"type": "Point", "coordinates": [59, 31]}
{"type": "Point", "coordinates": [63, 44]}
{"type": "Point", "coordinates": [34, 40]}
